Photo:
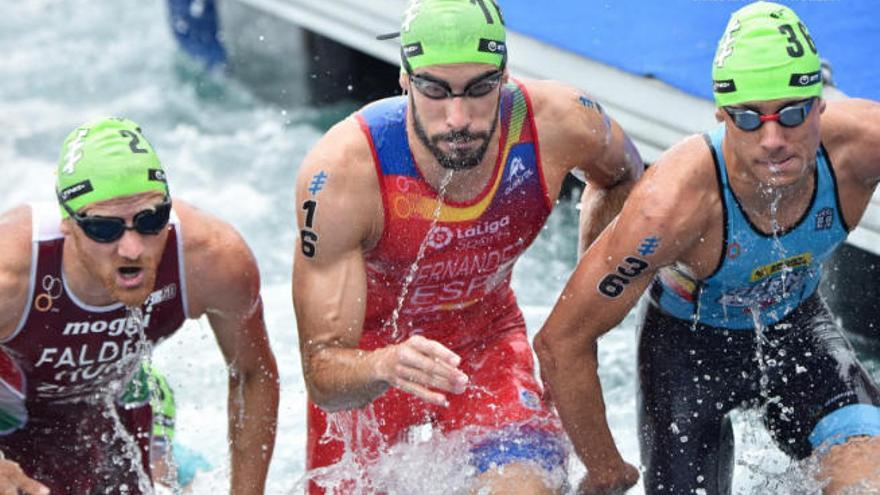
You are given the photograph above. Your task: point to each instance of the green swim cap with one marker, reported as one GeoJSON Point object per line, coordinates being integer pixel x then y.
{"type": "Point", "coordinates": [766, 53]}
{"type": "Point", "coordinates": [104, 159]}
{"type": "Point", "coordinates": [452, 32]}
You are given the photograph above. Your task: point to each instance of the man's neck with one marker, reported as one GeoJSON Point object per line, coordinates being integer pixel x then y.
{"type": "Point", "coordinates": [772, 208]}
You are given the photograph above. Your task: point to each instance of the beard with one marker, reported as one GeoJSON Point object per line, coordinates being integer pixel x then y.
{"type": "Point", "coordinates": [106, 272]}
{"type": "Point", "coordinates": [455, 160]}
{"type": "Point", "coordinates": [135, 297]}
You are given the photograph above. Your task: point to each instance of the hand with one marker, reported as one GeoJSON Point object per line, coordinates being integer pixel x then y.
{"type": "Point", "coordinates": [13, 481]}
{"type": "Point", "coordinates": [612, 481]}
{"type": "Point", "coordinates": [419, 365]}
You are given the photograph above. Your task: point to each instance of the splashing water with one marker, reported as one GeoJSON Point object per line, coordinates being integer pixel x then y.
{"type": "Point", "coordinates": [131, 457]}
{"type": "Point", "coordinates": [204, 128]}
{"type": "Point", "coordinates": [408, 466]}
{"type": "Point", "coordinates": [426, 461]}
{"type": "Point", "coordinates": [414, 267]}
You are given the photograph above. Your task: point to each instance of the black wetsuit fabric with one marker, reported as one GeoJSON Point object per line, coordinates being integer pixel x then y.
{"type": "Point", "coordinates": [692, 375]}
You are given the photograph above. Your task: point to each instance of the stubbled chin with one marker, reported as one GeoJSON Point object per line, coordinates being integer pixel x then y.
{"type": "Point", "coordinates": [134, 297]}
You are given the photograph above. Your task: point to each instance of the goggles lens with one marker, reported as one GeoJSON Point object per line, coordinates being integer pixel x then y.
{"type": "Point", "coordinates": [440, 90]}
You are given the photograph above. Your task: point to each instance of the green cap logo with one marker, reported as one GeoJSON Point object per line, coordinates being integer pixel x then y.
{"type": "Point", "coordinates": [105, 159]}
{"type": "Point", "coordinates": [766, 53]}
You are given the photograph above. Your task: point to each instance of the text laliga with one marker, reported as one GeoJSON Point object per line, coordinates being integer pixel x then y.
{"type": "Point", "coordinates": [484, 228]}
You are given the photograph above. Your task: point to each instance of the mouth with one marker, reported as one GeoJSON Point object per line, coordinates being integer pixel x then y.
{"type": "Point", "coordinates": [776, 166]}
{"type": "Point", "coordinates": [129, 277]}
{"type": "Point", "coordinates": [459, 144]}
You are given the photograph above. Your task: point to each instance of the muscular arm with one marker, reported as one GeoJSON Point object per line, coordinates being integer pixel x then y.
{"type": "Point", "coordinates": [604, 287]}
{"type": "Point", "coordinates": [224, 284]}
{"type": "Point", "coordinates": [337, 222]}
{"type": "Point", "coordinates": [851, 130]}
{"type": "Point", "coordinates": [15, 261]}
{"type": "Point", "coordinates": [612, 168]}
{"type": "Point", "coordinates": [850, 133]}
{"type": "Point", "coordinates": [576, 135]}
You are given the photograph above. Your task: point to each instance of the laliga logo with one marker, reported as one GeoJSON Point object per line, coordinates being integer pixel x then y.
{"type": "Point", "coordinates": [439, 237]}
{"type": "Point", "coordinates": [74, 152]}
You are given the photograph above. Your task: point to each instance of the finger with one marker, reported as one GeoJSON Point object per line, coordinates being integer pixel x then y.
{"type": "Point", "coordinates": [413, 360]}
{"type": "Point", "coordinates": [423, 393]}
{"type": "Point", "coordinates": [435, 381]}
{"type": "Point", "coordinates": [435, 350]}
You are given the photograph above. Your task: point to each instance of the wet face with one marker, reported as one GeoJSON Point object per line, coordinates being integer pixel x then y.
{"type": "Point", "coordinates": [773, 154]}
{"type": "Point", "coordinates": [126, 267]}
{"type": "Point", "coordinates": [455, 129]}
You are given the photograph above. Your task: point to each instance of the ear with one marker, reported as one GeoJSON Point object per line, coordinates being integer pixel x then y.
{"type": "Point", "coordinates": [66, 228]}
{"type": "Point", "coordinates": [505, 76]}
{"type": "Point", "coordinates": [821, 105]}
{"type": "Point", "coordinates": [719, 115]}
{"type": "Point", "coordinates": [403, 80]}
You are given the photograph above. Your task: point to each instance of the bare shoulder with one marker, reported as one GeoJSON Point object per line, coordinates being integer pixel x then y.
{"type": "Point", "coordinates": [566, 114]}
{"type": "Point", "coordinates": [337, 184]}
{"type": "Point", "coordinates": [680, 189]}
{"type": "Point", "coordinates": [15, 234]}
{"type": "Point", "coordinates": [575, 133]}
{"type": "Point", "coordinates": [215, 256]}
{"type": "Point", "coordinates": [343, 151]}
{"type": "Point", "coordinates": [15, 265]}
{"type": "Point", "coordinates": [851, 131]}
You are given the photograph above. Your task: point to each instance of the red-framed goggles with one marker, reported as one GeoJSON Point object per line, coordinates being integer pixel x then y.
{"type": "Point", "coordinates": [788, 116]}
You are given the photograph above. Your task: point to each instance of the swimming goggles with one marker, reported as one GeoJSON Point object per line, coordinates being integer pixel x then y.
{"type": "Point", "coordinates": [108, 229]}
{"type": "Point", "coordinates": [788, 116]}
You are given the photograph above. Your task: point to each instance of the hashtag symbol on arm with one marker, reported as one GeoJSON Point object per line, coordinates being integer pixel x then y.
{"type": "Point", "coordinates": [649, 245]}
{"type": "Point", "coordinates": [318, 181]}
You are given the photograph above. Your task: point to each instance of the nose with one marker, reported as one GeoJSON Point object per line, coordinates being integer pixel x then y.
{"type": "Point", "coordinates": [457, 116]}
{"type": "Point", "coordinates": [772, 136]}
{"type": "Point", "coordinates": [130, 246]}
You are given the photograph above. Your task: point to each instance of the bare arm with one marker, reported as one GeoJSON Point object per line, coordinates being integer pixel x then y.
{"type": "Point", "coordinates": [850, 133]}
{"type": "Point", "coordinates": [604, 287]}
{"type": "Point", "coordinates": [612, 169]}
{"type": "Point", "coordinates": [225, 285]}
{"type": "Point", "coordinates": [337, 222]}
{"type": "Point", "coordinates": [577, 136]}
{"type": "Point", "coordinates": [15, 260]}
